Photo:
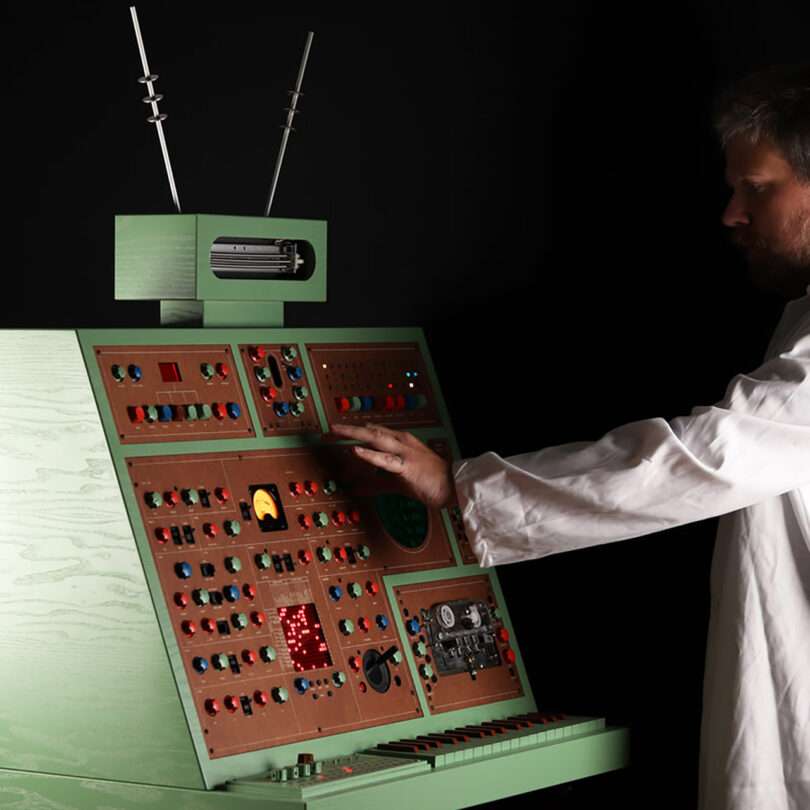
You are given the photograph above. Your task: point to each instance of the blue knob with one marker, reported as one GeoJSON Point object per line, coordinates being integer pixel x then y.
{"type": "Point", "coordinates": [335, 591]}
{"type": "Point", "coordinates": [135, 372]}
{"type": "Point", "coordinates": [234, 411]}
{"type": "Point", "coordinates": [412, 626]}
{"type": "Point", "coordinates": [295, 373]}
{"type": "Point", "coordinates": [382, 621]}
{"type": "Point", "coordinates": [281, 408]}
{"type": "Point", "coordinates": [165, 413]}
{"type": "Point", "coordinates": [410, 402]}
{"type": "Point", "coordinates": [367, 403]}
{"type": "Point", "coordinates": [301, 684]}
{"type": "Point", "coordinates": [200, 664]}
{"type": "Point", "coordinates": [183, 570]}
{"type": "Point", "coordinates": [231, 593]}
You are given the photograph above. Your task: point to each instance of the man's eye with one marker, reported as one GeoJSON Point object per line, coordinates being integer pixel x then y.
{"type": "Point", "coordinates": [757, 188]}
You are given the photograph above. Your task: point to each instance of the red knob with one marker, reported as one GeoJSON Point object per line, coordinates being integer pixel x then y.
{"type": "Point", "coordinates": [210, 529]}
{"type": "Point", "coordinates": [355, 663]}
{"type": "Point", "coordinates": [343, 404]}
{"type": "Point", "coordinates": [222, 494]}
{"type": "Point", "coordinates": [188, 627]}
{"type": "Point", "coordinates": [296, 488]}
{"type": "Point", "coordinates": [257, 353]}
{"type": "Point", "coordinates": [354, 517]}
{"type": "Point", "coordinates": [261, 697]}
{"type": "Point", "coordinates": [268, 394]}
{"type": "Point", "coordinates": [311, 487]}
{"type": "Point", "coordinates": [400, 403]}
{"type": "Point", "coordinates": [305, 521]}
{"type": "Point", "coordinates": [390, 403]}
{"type": "Point", "coordinates": [223, 370]}
{"type": "Point", "coordinates": [209, 625]}
{"type": "Point", "coordinates": [212, 706]}
{"type": "Point", "coordinates": [363, 622]}
{"type": "Point", "coordinates": [181, 600]}
{"type": "Point", "coordinates": [171, 498]}
{"type": "Point", "coordinates": [372, 587]}
{"type": "Point", "coordinates": [257, 617]}
{"type": "Point", "coordinates": [503, 634]}
{"type": "Point", "coordinates": [339, 518]}
{"type": "Point", "coordinates": [305, 555]}
{"type": "Point", "coordinates": [249, 591]}
{"type": "Point", "coordinates": [341, 554]}
{"type": "Point", "coordinates": [509, 655]}
{"type": "Point", "coordinates": [231, 703]}
{"type": "Point", "coordinates": [249, 657]}
{"type": "Point", "coordinates": [219, 410]}
{"type": "Point", "coordinates": [162, 535]}
{"type": "Point", "coordinates": [136, 414]}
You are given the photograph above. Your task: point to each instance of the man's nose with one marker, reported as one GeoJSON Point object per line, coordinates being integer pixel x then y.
{"type": "Point", "coordinates": [735, 213]}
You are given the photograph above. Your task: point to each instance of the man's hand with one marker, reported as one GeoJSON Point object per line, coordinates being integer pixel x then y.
{"type": "Point", "coordinates": [425, 475]}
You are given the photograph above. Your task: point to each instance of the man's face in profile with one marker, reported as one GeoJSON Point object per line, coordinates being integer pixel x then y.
{"type": "Point", "coordinates": [769, 212]}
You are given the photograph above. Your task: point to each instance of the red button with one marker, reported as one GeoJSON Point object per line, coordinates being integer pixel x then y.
{"type": "Point", "coordinates": [296, 488]}
{"type": "Point", "coordinates": [305, 555]}
{"type": "Point", "coordinates": [231, 703]}
{"type": "Point", "coordinates": [390, 403]}
{"type": "Point", "coordinates": [372, 587]}
{"type": "Point", "coordinates": [210, 529]}
{"type": "Point", "coordinates": [268, 394]}
{"type": "Point", "coordinates": [136, 414]}
{"type": "Point", "coordinates": [219, 410]}
{"type": "Point", "coordinates": [305, 521]}
{"type": "Point", "coordinates": [257, 353]}
{"type": "Point", "coordinates": [249, 657]}
{"type": "Point", "coordinates": [339, 518]}
{"type": "Point", "coordinates": [249, 591]}
{"type": "Point", "coordinates": [354, 517]}
{"type": "Point", "coordinates": [181, 600]}
{"type": "Point", "coordinates": [261, 697]}
{"type": "Point", "coordinates": [311, 487]}
{"type": "Point", "coordinates": [223, 370]}
{"type": "Point", "coordinates": [257, 617]}
{"type": "Point", "coordinates": [355, 663]}
{"type": "Point", "coordinates": [223, 495]}
{"type": "Point", "coordinates": [209, 625]}
{"type": "Point", "coordinates": [212, 706]}
{"type": "Point", "coordinates": [363, 622]}
{"type": "Point", "coordinates": [509, 655]}
{"type": "Point", "coordinates": [400, 406]}
{"type": "Point", "coordinates": [341, 554]}
{"type": "Point", "coordinates": [188, 627]}
{"type": "Point", "coordinates": [171, 498]}
{"type": "Point", "coordinates": [163, 535]}
{"type": "Point", "coordinates": [503, 634]}
{"type": "Point", "coordinates": [343, 404]}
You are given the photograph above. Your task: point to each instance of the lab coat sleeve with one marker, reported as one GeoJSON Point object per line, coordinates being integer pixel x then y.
{"type": "Point", "coordinates": [648, 475]}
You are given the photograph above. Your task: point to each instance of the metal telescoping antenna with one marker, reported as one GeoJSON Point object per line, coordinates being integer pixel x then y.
{"type": "Point", "coordinates": [157, 118]}
{"type": "Point", "coordinates": [288, 128]}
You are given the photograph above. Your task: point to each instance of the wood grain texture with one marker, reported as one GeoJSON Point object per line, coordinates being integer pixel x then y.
{"type": "Point", "coordinates": [87, 687]}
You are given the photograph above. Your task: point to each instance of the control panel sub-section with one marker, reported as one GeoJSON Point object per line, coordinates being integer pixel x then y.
{"type": "Point", "coordinates": [271, 564]}
{"type": "Point", "coordinates": [281, 391]}
{"type": "Point", "coordinates": [374, 382]}
{"type": "Point", "coordinates": [173, 393]}
{"type": "Point", "coordinates": [462, 649]}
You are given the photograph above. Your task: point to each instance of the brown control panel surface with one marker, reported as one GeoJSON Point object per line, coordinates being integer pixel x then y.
{"type": "Point", "coordinates": [173, 393]}
{"type": "Point", "coordinates": [374, 382]}
{"type": "Point", "coordinates": [271, 564]}
{"type": "Point", "coordinates": [280, 389]}
{"type": "Point", "coordinates": [459, 643]}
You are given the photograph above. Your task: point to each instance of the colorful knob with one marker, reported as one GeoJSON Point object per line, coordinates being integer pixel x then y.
{"type": "Point", "coordinates": [268, 654]}
{"type": "Point", "coordinates": [412, 626]}
{"type": "Point", "coordinates": [118, 372]}
{"type": "Point", "coordinates": [305, 555]}
{"type": "Point", "coordinates": [223, 370]}
{"type": "Point", "coordinates": [262, 373]}
{"type": "Point", "coordinates": [249, 591]}
{"type": "Point", "coordinates": [191, 496]}
{"type": "Point", "coordinates": [260, 697]}
{"type": "Point", "coordinates": [382, 621]}
{"type": "Point", "coordinates": [212, 706]}
{"type": "Point", "coordinates": [297, 409]}
{"type": "Point", "coordinates": [231, 593]}
{"type": "Point", "coordinates": [311, 487]}
{"type": "Point", "coordinates": [355, 663]}
{"type": "Point", "coordinates": [342, 404]}
{"type": "Point", "coordinates": [231, 703]}
{"type": "Point", "coordinates": [363, 624]}
{"type": "Point", "coordinates": [280, 694]}
{"type": "Point", "coordinates": [220, 661]}
{"type": "Point", "coordinates": [249, 657]}
{"type": "Point", "coordinates": [263, 560]}
{"type": "Point", "coordinates": [192, 413]}
{"type": "Point", "coordinates": [503, 634]}
{"type": "Point", "coordinates": [335, 591]}
{"type": "Point", "coordinates": [396, 656]}
{"type": "Point", "coordinates": [289, 353]}
{"type": "Point", "coordinates": [300, 392]}
{"type": "Point", "coordinates": [135, 372]}
{"type": "Point", "coordinates": [205, 411]}
{"type": "Point", "coordinates": [153, 499]}
{"type": "Point", "coordinates": [234, 410]}
{"type": "Point", "coordinates": [372, 587]}
{"type": "Point", "coordinates": [368, 403]}
{"type": "Point", "coordinates": [356, 404]}
{"type": "Point", "coordinates": [354, 519]}
{"type": "Point", "coordinates": [341, 554]}
{"type": "Point", "coordinates": [419, 648]}
{"type": "Point", "coordinates": [209, 625]}
{"type": "Point", "coordinates": [162, 534]}
{"type": "Point", "coordinates": [321, 519]}
{"type": "Point", "coordinates": [339, 517]}
{"type": "Point", "coordinates": [200, 664]}
{"type": "Point", "coordinates": [281, 408]}
{"type": "Point", "coordinates": [188, 627]}
{"type": "Point", "coordinates": [509, 655]}
{"type": "Point", "coordinates": [232, 527]}
{"type": "Point", "coordinates": [363, 552]}
{"type": "Point", "coordinates": [151, 413]}
{"type": "Point", "coordinates": [301, 684]}
{"type": "Point", "coordinates": [339, 678]}
{"type": "Point", "coordinates": [296, 489]}
{"type": "Point", "coordinates": [136, 414]}
{"type": "Point", "coordinates": [346, 626]}
{"type": "Point", "coordinates": [305, 521]}
{"type": "Point", "coordinates": [330, 487]}
{"type": "Point", "coordinates": [295, 373]}
{"type": "Point", "coordinates": [354, 590]}
{"type": "Point", "coordinates": [222, 494]}
{"type": "Point", "coordinates": [219, 410]}
{"type": "Point", "coordinates": [257, 353]}
{"type": "Point", "coordinates": [258, 618]}
{"type": "Point", "coordinates": [233, 564]}
{"type": "Point", "coordinates": [239, 620]}
{"type": "Point", "coordinates": [201, 596]}
{"type": "Point", "coordinates": [324, 553]}
{"type": "Point", "coordinates": [183, 570]}
{"type": "Point", "coordinates": [171, 498]}
{"type": "Point", "coordinates": [207, 370]}
{"type": "Point", "coordinates": [268, 394]}
{"type": "Point", "coordinates": [209, 529]}
{"type": "Point", "coordinates": [181, 600]}
{"type": "Point", "coordinates": [164, 413]}
{"type": "Point", "coordinates": [426, 670]}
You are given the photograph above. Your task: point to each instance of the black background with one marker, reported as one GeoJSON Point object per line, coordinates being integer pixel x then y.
{"type": "Point", "coordinates": [539, 189]}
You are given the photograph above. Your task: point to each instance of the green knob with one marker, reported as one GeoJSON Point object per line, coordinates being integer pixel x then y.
{"type": "Point", "coordinates": [119, 372]}
{"type": "Point", "coordinates": [297, 409]}
{"type": "Point", "coordinates": [324, 553]}
{"type": "Point", "coordinates": [262, 373]}
{"type": "Point", "coordinates": [300, 392]}
{"type": "Point", "coordinates": [321, 519]}
{"type": "Point", "coordinates": [232, 527]}
{"type": "Point", "coordinates": [205, 412]}
{"type": "Point", "coordinates": [289, 353]}
{"type": "Point", "coordinates": [233, 564]}
{"type": "Point", "coordinates": [151, 413]}
{"type": "Point", "coordinates": [356, 403]}
{"type": "Point", "coordinates": [191, 496]}
{"type": "Point", "coordinates": [201, 596]}
{"type": "Point", "coordinates": [346, 626]}
{"type": "Point", "coordinates": [268, 654]}
{"type": "Point", "coordinates": [419, 648]}
{"type": "Point", "coordinates": [154, 499]}
{"type": "Point", "coordinates": [354, 590]}
{"type": "Point", "coordinates": [192, 414]}
{"type": "Point", "coordinates": [330, 487]}
{"type": "Point", "coordinates": [220, 661]}
{"type": "Point", "coordinates": [263, 560]}
{"type": "Point", "coordinates": [280, 694]}
{"type": "Point", "coordinates": [364, 552]}
{"type": "Point", "coordinates": [426, 670]}
{"type": "Point", "coordinates": [339, 678]}
{"type": "Point", "coordinates": [207, 370]}
{"type": "Point", "coordinates": [396, 657]}
{"type": "Point", "coordinates": [239, 620]}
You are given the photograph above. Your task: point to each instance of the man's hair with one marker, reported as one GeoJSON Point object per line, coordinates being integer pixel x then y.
{"type": "Point", "coordinates": [774, 104]}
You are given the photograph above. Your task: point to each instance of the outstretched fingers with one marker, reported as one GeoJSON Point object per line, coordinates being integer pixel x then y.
{"type": "Point", "coordinates": [392, 462]}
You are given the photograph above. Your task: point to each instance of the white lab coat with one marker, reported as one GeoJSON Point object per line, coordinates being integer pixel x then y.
{"type": "Point", "coordinates": [747, 458]}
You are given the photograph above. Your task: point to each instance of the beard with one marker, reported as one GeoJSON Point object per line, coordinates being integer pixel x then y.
{"type": "Point", "coordinates": [779, 266]}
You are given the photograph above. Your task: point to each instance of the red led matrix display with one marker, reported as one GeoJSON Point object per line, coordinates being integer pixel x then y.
{"type": "Point", "coordinates": [304, 636]}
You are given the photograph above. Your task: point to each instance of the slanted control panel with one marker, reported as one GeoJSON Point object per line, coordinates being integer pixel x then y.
{"type": "Point", "coordinates": [279, 556]}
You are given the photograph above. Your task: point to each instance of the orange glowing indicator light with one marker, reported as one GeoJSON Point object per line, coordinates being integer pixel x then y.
{"type": "Point", "coordinates": [347, 769]}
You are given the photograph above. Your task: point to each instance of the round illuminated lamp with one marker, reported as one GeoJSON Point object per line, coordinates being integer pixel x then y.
{"type": "Point", "coordinates": [264, 505]}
